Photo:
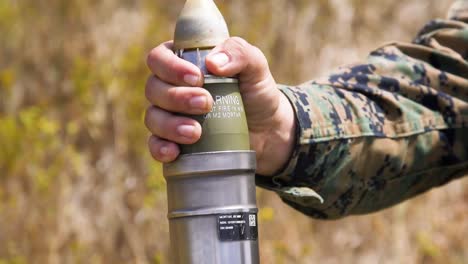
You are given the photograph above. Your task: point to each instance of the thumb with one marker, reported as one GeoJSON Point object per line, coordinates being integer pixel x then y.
{"type": "Point", "coordinates": [237, 57]}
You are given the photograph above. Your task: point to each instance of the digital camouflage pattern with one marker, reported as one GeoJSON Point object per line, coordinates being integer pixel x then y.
{"type": "Point", "coordinates": [374, 134]}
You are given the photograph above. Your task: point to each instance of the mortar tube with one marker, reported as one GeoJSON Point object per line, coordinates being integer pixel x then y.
{"type": "Point", "coordinates": [211, 186]}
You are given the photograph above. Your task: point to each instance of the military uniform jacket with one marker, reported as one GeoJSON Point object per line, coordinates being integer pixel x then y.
{"type": "Point", "coordinates": [374, 134]}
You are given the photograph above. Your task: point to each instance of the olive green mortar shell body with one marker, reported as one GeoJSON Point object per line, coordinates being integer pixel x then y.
{"type": "Point", "coordinates": [225, 127]}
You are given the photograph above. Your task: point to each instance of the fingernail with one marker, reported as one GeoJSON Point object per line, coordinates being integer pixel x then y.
{"type": "Point", "coordinates": [220, 59]}
{"type": "Point", "coordinates": [186, 131]}
{"type": "Point", "coordinates": [199, 102]}
{"type": "Point", "coordinates": [164, 151]}
{"type": "Point", "coordinates": [191, 79]}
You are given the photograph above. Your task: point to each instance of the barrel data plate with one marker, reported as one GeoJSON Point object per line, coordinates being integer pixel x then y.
{"type": "Point", "coordinates": [237, 227]}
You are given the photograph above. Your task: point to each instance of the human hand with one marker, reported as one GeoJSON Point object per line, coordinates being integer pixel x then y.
{"type": "Point", "coordinates": [175, 88]}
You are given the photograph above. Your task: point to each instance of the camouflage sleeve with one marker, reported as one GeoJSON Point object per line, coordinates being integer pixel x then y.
{"type": "Point", "coordinates": [374, 134]}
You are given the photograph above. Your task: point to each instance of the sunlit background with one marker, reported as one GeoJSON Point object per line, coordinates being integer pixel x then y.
{"type": "Point", "coordinates": [76, 182]}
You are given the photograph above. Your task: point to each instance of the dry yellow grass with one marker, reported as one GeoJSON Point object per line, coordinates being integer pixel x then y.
{"type": "Point", "coordinates": [76, 182]}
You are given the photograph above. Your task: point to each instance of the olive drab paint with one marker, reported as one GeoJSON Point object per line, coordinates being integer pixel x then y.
{"type": "Point", "coordinates": [211, 186]}
{"type": "Point", "coordinates": [225, 127]}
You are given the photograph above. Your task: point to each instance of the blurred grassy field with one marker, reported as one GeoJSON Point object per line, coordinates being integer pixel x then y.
{"type": "Point", "coordinates": [76, 182]}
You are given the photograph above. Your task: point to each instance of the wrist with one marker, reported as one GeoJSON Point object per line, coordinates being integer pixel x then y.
{"type": "Point", "coordinates": [279, 140]}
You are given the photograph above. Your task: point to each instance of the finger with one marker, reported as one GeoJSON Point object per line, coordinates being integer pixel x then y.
{"type": "Point", "coordinates": [168, 67]}
{"type": "Point", "coordinates": [188, 100]}
{"type": "Point", "coordinates": [178, 129]}
{"type": "Point", "coordinates": [162, 150]}
{"type": "Point", "coordinates": [237, 56]}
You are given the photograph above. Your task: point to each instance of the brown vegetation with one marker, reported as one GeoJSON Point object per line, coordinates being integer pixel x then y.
{"type": "Point", "coordinates": [76, 182]}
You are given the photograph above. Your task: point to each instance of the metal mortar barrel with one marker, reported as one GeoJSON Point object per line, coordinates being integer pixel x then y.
{"type": "Point", "coordinates": [211, 186]}
{"type": "Point", "coordinates": [212, 208]}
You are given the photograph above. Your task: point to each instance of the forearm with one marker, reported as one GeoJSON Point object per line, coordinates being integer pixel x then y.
{"type": "Point", "coordinates": [378, 133]}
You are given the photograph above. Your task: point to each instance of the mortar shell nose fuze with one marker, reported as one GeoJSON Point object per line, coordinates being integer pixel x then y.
{"type": "Point", "coordinates": [200, 25]}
